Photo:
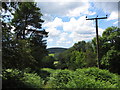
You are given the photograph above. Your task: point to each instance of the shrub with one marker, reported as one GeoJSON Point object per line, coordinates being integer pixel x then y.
{"type": "Point", "coordinates": [94, 78]}
{"type": "Point", "coordinates": [59, 78]}
{"type": "Point", "coordinates": [32, 80]}
{"type": "Point", "coordinates": [49, 70]}
{"type": "Point", "coordinates": [11, 78]}
{"type": "Point", "coordinates": [83, 78]}
{"type": "Point", "coordinates": [18, 79]}
{"type": "Point", "coordinates": [99, 74]}
{"type": "Point", "coordinates": [88, 82]}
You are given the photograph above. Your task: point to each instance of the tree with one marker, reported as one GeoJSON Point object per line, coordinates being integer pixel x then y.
{"type": "Point", "coordinates": [80, 55]}
{"type": "Point", "coordinates": [26, 16]}
{"type": "Point", "coordinates": [111, 48]}
{"type": "Point", "coordinates": [7, 35]}
{"type": "Point", "coordinates": [111, 37]}
{"type": "Point", "coordinates": [80, 46]}
{"type": "Point", "coordinates": [48, 62]}
{"type": "Point", "coordinates": [39, 51]}
{"type": "Point", "coordinates": [77, 60]}
{"type": "Point", "coordinates": [111, 61]}
{"type": "Point", "coordinates": [63, 59]}
{"type": "Point", "coordinates": [19, 50]}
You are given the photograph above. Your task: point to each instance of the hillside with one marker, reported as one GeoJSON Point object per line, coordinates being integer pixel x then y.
{"type": "Point", "coordinates": [56, 50]}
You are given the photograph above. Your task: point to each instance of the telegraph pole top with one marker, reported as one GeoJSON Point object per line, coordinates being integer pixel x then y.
{"type": "Point", "coordinates": [96, 18]}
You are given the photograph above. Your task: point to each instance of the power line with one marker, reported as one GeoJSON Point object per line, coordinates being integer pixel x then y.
{"type": "Point", "coordinates": [97, 39]}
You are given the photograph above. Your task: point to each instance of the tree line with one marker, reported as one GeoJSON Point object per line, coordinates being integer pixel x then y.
{"type": "Point", "coordinates": [83, 54]}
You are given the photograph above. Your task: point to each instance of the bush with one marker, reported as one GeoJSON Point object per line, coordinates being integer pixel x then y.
{"type": "Point", "coordinates": [18, 79]}
{"type": "Point", "coordinates": [88, 82]}
{"type": "Point", "coordinates": [83, 78]}
{"type": "Point", "coordinates": [99, 74]}
{"type": "Point", "coordinates": [111, 61]}
{"type": "Point", "coordinates": [95, 78]}
{"type": "Point", "coordinates": [59, 78]}
{"type": "Point", "coordinates": [32, 80]}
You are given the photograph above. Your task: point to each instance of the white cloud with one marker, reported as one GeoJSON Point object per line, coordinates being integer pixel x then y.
{"type": "Point", "coordinates": [71, 9]}
{"type": "Point", "coordinates": [53, 32]}
{"type": "Point", "coordinates": [50, 40]}
{"type": "Point", "coordinates": [76, 29]}
{"type": "Point", "coordinates": [91, 13]}
{"type": "Point", "coordinates": [82, 9]}
{"type": "Point", "coordinates": [63, 36]}
{"type": "Point", "coordinates": [80, 25]}
{"type": "Point", "coordinates": [79, 37]}
{"type": "Point", "coordinates": [55, 23]}
{"type": "Point", "coordinates": [116, 22]}
{"type": "Point", "coordinates": [113, 16]}
{"type": "Point", "coordinates": [47, 17]}
{"type": "Point", "coordinates": [73, 31]}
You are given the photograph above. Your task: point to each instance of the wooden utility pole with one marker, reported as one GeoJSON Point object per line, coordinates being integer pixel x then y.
{"type": "Point", "coordinates": [97, 39]}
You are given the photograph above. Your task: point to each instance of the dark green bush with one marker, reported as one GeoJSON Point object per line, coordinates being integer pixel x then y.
{"type": "Point", "coordinates": [99, 74]}
{"type": "Point", "coordinates": [83, 78]}
{"type": "Point", "coordinates": [59, 78]}
{"type": "Point", "coordinates": [95, 78]}
{"type": "Point", "coordinates": [18, 79]}
{"type": "Point", "coordinates": [88, 82]}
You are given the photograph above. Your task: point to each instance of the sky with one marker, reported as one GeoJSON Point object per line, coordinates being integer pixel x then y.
{"type": "Point", "coordinates": [66, 21]}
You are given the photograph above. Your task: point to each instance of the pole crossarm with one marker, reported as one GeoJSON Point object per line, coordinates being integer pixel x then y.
{"type": "Point", "coordinates": [97, 38]}
{"type": "Point", "coordinates": [96, 18]}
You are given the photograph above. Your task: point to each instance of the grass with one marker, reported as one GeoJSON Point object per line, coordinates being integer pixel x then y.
{"type": "Point", "coordinates": [52, 55]}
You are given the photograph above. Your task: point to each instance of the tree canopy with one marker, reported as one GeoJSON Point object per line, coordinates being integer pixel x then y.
{"type": "Point", "coordinates": [23, 47]}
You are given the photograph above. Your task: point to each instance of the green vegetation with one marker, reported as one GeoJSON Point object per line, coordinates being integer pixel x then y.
{"type": "Point", "coordinates": [83, 54]}
{"type": "Point", "coordinates": [52, 55]}
{"type": "Point", "coordinates": [28, 64]}
{"type": "Point", "coordinates": [18, 79]}
{"type": "Point", "coordinates": [82, 78]}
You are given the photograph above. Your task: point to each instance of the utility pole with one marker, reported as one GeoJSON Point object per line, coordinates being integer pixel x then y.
{"type": "Point", "coordinates": [98, 52]}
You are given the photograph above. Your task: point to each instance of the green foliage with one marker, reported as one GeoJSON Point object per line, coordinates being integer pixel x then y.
{"type": "Point", "coordinates": [83, 78]}
{"type": "Point", "coordinates": [48, 62]}
{"type": "Point", "coordinates": [79, 56]}
{"type": "Point", "coordinates": [109, 47]}
{"type": "Point", "coordinates": [48, 70]}
{"type": "Point", "coordinates": [52, 55]}
{"type": "Point", "coordinates": [38, 50]}
{"type": "Point", "coordinates": [24, 48]}
{"type": "Point", "coordinates": [13, 78]}
{"type": "Point", "coordinates": [27, 14]}
{"type": "Point", "coordinates": [111, 37]}
{"type": "Point", "coordinates": [87, 82]}
{"type": "Point", "coordinates": [59, 78]}
{"type": "Point", "coordinates": [111, 50]}
{"type": "Point", "coordinates": [90, 59]}
{"type": "Point", "coordinates": [71, 59]}
{"type": "Point", "coordinates": [98, 74]}
{"type": "Point", "coordinates": [18, 55]}
{"type": "Point", "coordinates": [77, 60]}
{"type": "Point", "coordinates": [80, 46]}
{"type": "Point", "coordinates": [32, 80]}
{"type": "Point", "coordinates": [111, 60]}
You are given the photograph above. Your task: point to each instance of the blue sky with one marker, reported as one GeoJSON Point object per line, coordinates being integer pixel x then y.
{"type": "Point", "coordinates": [66, 22]}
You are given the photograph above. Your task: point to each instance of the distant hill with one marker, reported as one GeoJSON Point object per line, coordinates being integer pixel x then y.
{"type": "Point", "coordinates": [56, 50]}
